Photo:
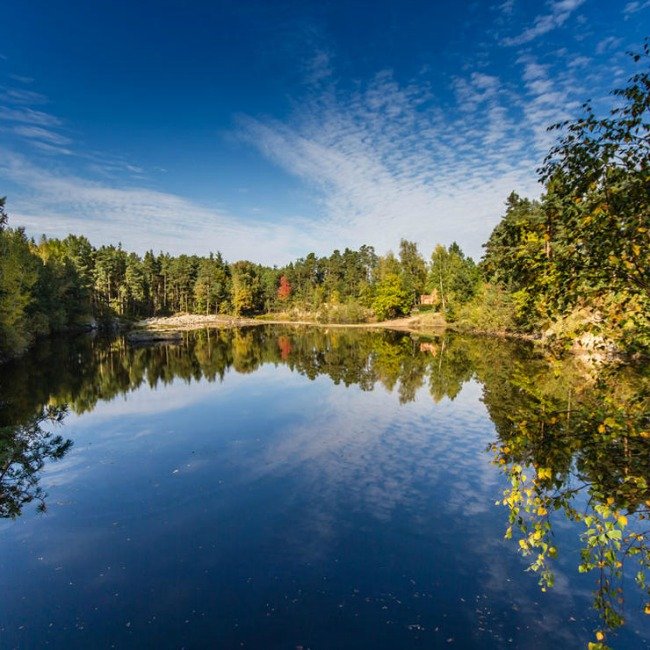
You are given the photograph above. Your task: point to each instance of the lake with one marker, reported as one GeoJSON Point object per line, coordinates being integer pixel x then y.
{"type": "Point", "coordinates": [276, 487]}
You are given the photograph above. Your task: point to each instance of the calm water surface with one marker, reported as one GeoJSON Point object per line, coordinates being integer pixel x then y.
{"type": "Point", "coordinates": [286, 488]}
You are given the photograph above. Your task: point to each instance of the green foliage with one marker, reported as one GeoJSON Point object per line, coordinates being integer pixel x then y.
{"type": "Point", "coordinates": [452, 277]}
{"type": "Point", "coordinates": [492, 310]}
{"type": "Point", "coordinates": [211, 289]}
{"type": "Point", "coordinates": [413, 269]}
{"type": "Point", "coordinates": [598, 174]}
{"type": "Point", "coordinates": [586, 245]}
{"type": "Point", "coordinates": [348, 312]}
{"type": "Point", "coordinates": [393, 294]}
{"type": "Point", "coordinates": [247, 289]}
{"type": "Point", "coordinates": [507, 251]}
{"type": "Point", "coordinates": [392, 298]}
{"type": "Point", "coordinates": [518, 258]}
{"type": "Point", "coordinates": [19, 276]}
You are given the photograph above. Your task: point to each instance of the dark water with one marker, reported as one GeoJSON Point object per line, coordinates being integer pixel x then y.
{"type": "Point", "coordinates": [288, 488]}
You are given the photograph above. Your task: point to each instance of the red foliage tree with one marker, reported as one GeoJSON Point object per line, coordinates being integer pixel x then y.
{"type": "Point", "coordinates": [284, 290]}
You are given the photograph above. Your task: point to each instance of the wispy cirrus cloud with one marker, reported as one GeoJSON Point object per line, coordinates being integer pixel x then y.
{"type": "Point", "coordinates": [21, 78]}
{"type": "Point", "coordinates": [28, 116]}
{"type": "Point", "coordinates": [48, 134]}
{"type": "Point", "coordinates": [38, 129]}
{"type": "Point", "coordinates": [380, 160]}
{"type": "Point", "coordinates": [55, 204]}
{"type": "Point", "coordinates": [559, 12]}
{"type": "Point", "coordinates": [634, 7]}
{"type": "Point", "coordinates": [39, 133]}
{"type": "Point", "coordinates": [22, 96]}
{"type": "Point", "coordinates": [388, 162]}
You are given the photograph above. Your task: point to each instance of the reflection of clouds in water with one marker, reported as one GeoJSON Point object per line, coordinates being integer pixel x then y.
{"type": "Point", "coordinates": [364, 452]}
{"type": "Point", "coordinates": [367, 450]}
{"type": "Point", "coordinates": [555, 625]}
{"type": "Point", "coordinates": [101, 428]}
{"type": "Point", "coordinates": [354, 449]}
{"type": "Point", "coordinates": [333, 461]}
{"type": "Point", "coordinates": [120, 421]}
{"type": "Point", "coordinates": [177, 394]}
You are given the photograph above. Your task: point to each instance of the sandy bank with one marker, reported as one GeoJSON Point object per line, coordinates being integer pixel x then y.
{"type": "Point", "coordinates": [185, 322]}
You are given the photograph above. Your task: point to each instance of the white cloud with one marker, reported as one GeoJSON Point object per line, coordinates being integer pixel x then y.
{"type": "Point", "coordinates": [534, 70]}
{"type": "Point", "coordinates": [39, 133]}
{"type": "Point", "coordinates": [578, 62]}
{"type": "Point", "coordinates": [50, 149]}
{"type": "Point", "coordinates": [34, 127]}
{"type": "Point", "coordinates": [633, 7]}
{"type": "Point", "coordinates": [550, 97]}
{"type": "Point", "coordinates": [28, 116]}
{"type": "Point", "coordinates": [608, 44]}
{"type": "Point", "coordinates": [387, 163]}
{"type": "Point", "coordinates": [21, 78]}
{"type": "Point", "coordinates": [20, 96]}
{"type": "Point", "coordinates": [557, 16]}
{"type": "Point", "coordinates": [56, 204]}
{"type": "Point", "coordinates": [318, 68]}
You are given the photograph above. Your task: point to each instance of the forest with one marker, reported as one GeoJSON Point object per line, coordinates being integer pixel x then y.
{"type": "Point", "coordinates": [573, 265]}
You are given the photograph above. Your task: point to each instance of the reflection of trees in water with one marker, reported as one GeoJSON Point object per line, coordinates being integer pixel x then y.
{"type": "Point", "coordinates": [79, 372]}
{"type": "Point", "coordinates": [23, 451]}
{"type": "Point", "coordinates": [561, 439]}
{"type": "Point", "coordinates": [89, 370]}
{"type": "Point", "coordinates": [581, 449]}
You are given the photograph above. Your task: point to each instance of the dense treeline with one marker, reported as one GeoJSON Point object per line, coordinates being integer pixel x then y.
{"type": "Point", "coordinates": [54, 284]}
{"type": "Point", "coordinates": [574, 265]}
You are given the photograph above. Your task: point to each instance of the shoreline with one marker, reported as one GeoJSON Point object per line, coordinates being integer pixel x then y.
{"type": "Point", "coordinates": [189, 322]}
{"type": "Point", "coordinates": [169, 329]}
{"type": "Point", "coordinates": [166, 325]}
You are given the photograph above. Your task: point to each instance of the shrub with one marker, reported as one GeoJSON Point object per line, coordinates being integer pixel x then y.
{"type": "Point", "coordinates": [491, 310]}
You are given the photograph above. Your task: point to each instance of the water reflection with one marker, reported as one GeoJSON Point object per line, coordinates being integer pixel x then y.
{"type": "Point", "coordinates": [83, 371]}
{"type": "Point", "coordinates": [572, 446]}
{"type": "Point", "coordinates": [582, 451]}
{"type": "Point", "coordinates": [24, 448]}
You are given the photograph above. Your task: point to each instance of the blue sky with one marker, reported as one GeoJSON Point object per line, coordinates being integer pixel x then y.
{"type": "Point", "coordinates": [270, 129]}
